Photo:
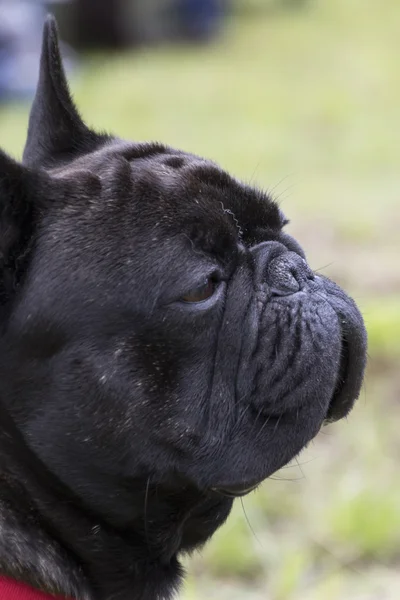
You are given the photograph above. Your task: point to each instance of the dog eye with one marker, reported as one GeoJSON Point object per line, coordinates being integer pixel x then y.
{"type": "Point", "coordinates": [200, 293]}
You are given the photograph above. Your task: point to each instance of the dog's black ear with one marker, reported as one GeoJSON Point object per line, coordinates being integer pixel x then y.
{"type": "Point", "coordinates": [56, 132]}
{"type": "Point", "coordinates": [21, 190]}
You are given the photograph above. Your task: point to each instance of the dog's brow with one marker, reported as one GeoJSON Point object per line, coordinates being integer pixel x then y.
{"type": "Point", "coordinates": [211, 175]}
{"type": "Point", "coordinates": [144, 150]}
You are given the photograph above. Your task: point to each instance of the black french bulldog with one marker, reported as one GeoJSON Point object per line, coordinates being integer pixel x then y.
{"type": "Point", "coordinates": [164, 348]}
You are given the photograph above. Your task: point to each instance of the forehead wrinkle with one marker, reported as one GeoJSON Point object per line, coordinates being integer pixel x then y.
{"type": "Point", "coordinates": [93, 160]}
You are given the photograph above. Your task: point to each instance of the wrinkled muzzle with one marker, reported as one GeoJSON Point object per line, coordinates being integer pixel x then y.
{"type": "Point", "coordinates": [302, 362]}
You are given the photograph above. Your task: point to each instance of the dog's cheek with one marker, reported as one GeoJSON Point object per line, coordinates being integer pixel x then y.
{"type": "Point", "coordinates": [142, 402]}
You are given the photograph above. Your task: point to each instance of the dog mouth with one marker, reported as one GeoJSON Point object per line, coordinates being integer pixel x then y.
{"type": "Point", "coordinates": [287, 427]}
{"type": "Point", "coordinates": [350, 371]}
{"type": "Point", "coordinates": [236, 491]}
{"type": "Point", "coordinates": [340, 404]}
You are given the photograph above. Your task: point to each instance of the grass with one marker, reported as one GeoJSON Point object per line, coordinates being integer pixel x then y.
{"type": "Point", "coordinates": [304, 102]}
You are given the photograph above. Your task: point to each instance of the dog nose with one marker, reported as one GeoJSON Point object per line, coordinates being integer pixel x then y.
{"type": "Point", "coordinates": [287, 274]}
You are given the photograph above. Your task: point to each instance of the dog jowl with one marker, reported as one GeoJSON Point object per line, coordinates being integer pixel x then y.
{"type": "Point", "coordinates": [164, 348]}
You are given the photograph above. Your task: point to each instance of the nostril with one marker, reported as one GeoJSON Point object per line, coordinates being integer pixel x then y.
{"type": "Point", "coordinates": [288, 274]}
{"type": "Point", "coordinates": [283, 282]}
{"type": "Point", "coordinates": [302, 271]}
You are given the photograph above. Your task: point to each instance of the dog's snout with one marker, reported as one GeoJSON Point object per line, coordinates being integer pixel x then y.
{"type": "Point", "coordinates": [288, 273]}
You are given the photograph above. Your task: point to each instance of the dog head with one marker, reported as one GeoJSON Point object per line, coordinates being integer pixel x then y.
{"type": "Point", "coordinates": [160, 330]}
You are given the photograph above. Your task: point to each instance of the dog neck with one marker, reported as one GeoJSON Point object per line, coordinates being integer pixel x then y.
{"type": "Point", "coordinates": [28, 552]}
{"type": "Point", "coordinates": [59, 545]}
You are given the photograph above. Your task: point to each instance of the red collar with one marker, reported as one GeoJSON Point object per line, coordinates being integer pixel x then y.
{"type": "Point", "coordinates": [16, 590]}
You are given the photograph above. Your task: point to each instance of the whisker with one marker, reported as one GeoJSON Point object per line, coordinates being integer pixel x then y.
{"type": "Point", "coordinates": [324, 267]}
{"type": "Point", "coordinates": [254, 172]}
{"type": "Point", "coordinates": [286, 478]}
{"type": "Point", "coordinates": [249, 524]}
{"type": "Point", "coordinates": [298, 464]}
{"type": "Point", "coordinates": [271, 190]}
{"type": "Point", "coordinates": [262, 428]}
{"type": "Point", "coordinates": [146, 532]}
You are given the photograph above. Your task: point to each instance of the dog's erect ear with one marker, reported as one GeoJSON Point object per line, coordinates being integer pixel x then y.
{"type": "Point", "coordinates": [21, 191]}
{"type": "Point", "coordinates": [56, 132]}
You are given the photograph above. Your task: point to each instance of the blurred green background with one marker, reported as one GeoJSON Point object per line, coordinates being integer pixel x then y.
{"type": "Point", "coordinates": [303, 100]}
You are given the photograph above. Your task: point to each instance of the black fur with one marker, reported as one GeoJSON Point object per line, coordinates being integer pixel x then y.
{"type": "Point", "coordinates": [129, 417]}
